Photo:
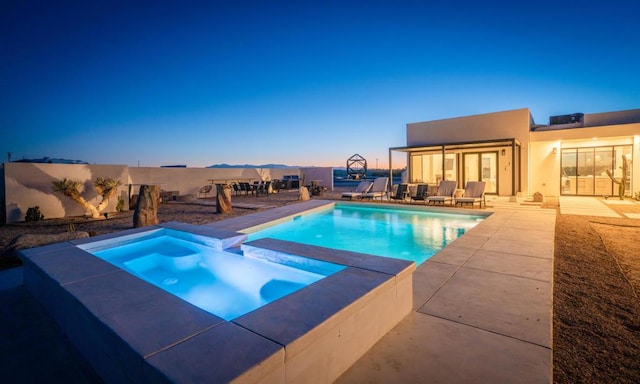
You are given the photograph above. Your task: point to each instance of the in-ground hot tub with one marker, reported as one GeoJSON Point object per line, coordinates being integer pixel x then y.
{"type": "Point", "coordinates": [198, 270]}
{"type": "Point", "coordinates": [130, 330]}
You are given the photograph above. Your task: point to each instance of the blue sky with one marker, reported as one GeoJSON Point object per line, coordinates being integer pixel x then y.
{"type": "Point", "coordinates": [301, 83]}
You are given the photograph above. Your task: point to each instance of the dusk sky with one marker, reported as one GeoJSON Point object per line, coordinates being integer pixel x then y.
{"type": "Point", "coordinates": [301, 83]}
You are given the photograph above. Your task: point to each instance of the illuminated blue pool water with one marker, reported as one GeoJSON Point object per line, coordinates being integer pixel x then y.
{"type": "Point", "coordinates": [226, 284]}
{"type": "Point", "coordinates": [414, 235]}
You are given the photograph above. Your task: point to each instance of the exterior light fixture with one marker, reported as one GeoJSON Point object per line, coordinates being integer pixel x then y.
{"type": "Point", "coordinates": [503, 152]}
{"type": "Point", "coordinates": [555, 150]}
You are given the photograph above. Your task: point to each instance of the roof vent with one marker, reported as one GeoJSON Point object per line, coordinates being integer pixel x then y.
{"type": "Point", "coordinates": [566, 119]}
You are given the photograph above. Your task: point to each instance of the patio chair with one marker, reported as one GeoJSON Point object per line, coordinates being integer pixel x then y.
{"type": "Point", "coordinates": [363, 187]}
{"type": "Point", "coordinates": [401, 192]}
{"type": "Point", "coordinates": [421, 193]}
{"type": "Point", "coordinates": [236, 189]}
{"type": "Point", "coordinates": [378, 189]}
{"type": "Point", "coordinates": [205, 190]}
{"type": "Point", "coordinates": [473, 192]}
{"type": "Point", "coordinates": [263, 188]}
{"type": "Point", "coordinates": [246, 187]}
{"type": "Point", "coordinates": [446, 190]}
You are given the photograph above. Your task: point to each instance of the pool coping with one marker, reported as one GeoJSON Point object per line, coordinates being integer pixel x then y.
{"type": "Point", "coordinates": [130, 330]}
{"type": "Point", "coordinates": [256, 221]}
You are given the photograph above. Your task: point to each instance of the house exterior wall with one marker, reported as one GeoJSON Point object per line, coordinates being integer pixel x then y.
{"type": "Point", "coordinates": [491, 126]}
{"type": "Point", "coordinates": [545, 165]}
{"type": "Point", "coordinates": [541, 167]}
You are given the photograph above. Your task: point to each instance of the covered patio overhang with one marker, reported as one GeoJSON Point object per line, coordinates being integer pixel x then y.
{"type": "Point", "coordinates": [466, 145]}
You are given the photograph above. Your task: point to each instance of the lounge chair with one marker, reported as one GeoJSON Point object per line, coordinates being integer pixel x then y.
{"type": "Point", "coordinates": [378, 189]}
{"type": "Point", "coordinates": [421, 193]}
{"type": "Point", "coordinates": [473, 192]}
{"type": "Point", "coordinates": [401, 192]}
{"type": "Point", "coordinates": [446, 190]}
{"type": "Point", "coordinates": [363, 187]}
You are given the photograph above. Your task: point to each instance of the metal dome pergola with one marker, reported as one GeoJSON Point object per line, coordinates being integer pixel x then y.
{"type": "Point", "coordinates": [356, 167]}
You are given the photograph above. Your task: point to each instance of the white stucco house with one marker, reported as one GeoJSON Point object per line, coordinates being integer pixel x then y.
{"type": "Point", "coordinates": [516, 157]}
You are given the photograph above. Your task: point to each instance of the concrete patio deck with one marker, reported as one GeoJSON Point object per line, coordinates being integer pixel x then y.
{"type": "Point", "coordinates": [483, 313]}
{"type": "Point", "coordinates": [483, 308]}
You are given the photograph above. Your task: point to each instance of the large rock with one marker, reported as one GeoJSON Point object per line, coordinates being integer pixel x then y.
{"type": "Point", "coordinates": [303, 194]}
{"type": "Point", "coordinates": [538, 197]}
{"type": "Point", "coordinates": [223, 198]}
{"type": "Point", "coordinates": [146, 212]}
{"type": "Point", "coordinates": [31, 240]}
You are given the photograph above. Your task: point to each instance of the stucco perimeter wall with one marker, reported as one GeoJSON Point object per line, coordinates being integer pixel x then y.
{"type": "Point", "coordinates": [3, 214]}
{"type": "Point", "coordinates": [30, 184]}
{"type": "Point", "coordinates": [188, 181]}
{"type": "Point", "coordinates": [322, 174]}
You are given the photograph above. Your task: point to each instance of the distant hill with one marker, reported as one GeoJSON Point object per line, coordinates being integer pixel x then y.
{"type": "Point", "coordinates": [50, 160]}
{"type": "Point", "coordinates": [252, 166]}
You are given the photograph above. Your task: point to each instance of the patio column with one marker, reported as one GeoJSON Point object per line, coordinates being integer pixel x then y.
{"type": "Point", "coordinates": [513, 170]}
{"type": "Point", "coordinates": [390, 166]}
{"type": "Point", "coordinates": [443, 163]}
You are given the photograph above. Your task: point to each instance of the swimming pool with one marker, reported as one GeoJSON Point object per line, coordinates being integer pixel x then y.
{"type": "Point", "coordinates": [401, 233]}
{"type": "Point", "coordinates": [192, 267]}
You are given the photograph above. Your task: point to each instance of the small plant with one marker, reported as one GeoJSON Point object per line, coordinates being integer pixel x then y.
{"type": "Point", "coordinates": [637, 196]}
{"type": "Point", "coordinates": [33, 214]}
{"type": "Point", "coordinates": [120, 204]}
{"type": "Point", "coordinates": [71, 228]}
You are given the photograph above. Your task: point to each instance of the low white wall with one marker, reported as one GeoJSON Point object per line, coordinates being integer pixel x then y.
{"type": "Point", "coordinates": [322, 174]}
{"type": "Point", "coordinates": [30, 184]}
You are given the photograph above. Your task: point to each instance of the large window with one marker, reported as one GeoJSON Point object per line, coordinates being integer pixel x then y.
{"type": "Point", "coordinates": [428, 168]}
{"type": "Point", "coordinates": [588, 171]}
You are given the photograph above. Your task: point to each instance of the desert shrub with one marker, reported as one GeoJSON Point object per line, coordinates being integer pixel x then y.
{"type": "Point", "coordinates": [120, 204]}
{"type": "Point", "coordinates": [33, 214]}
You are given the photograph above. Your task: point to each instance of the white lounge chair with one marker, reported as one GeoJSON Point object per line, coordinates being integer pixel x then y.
{"type": "Point", "coordinates": [446, 190]}
{"type": "Point", "coordinates": [363, 187]}
{"type": "Point", "coordinates": [473, 192]}
{"type": "Point", "coordinates": [378, 189]}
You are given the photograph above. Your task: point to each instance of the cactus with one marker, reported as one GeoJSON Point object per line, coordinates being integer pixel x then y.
{"type": "Point", "coordinates": [33, 214]}
{"type": "Point", "coordinates": [623, 180]}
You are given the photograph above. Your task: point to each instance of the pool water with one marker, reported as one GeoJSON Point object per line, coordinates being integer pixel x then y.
{"type": "Point", "coordinates": [413, 235]}
{"type": "Point", "coordinates": [227, 284]}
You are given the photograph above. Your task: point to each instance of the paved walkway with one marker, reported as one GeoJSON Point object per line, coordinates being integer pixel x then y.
{"type": "Point", "coordinates": [483, 308]}
{"type": "Point", "coordinates": [591, 206]}
{"type": "Point", "coordinates": [585, 206]}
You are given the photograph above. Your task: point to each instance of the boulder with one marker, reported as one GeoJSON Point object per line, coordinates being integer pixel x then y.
{"type": "Point", "coordinates": [146, 212]}
{"type": "Point", "coordinates": [31, 240]}
{"type": "Point", "coordinates": [304, 194]}
{"type": "Point", "coordinates": [223, 198]}
{"type": "Point", "coordinates": [538, 198]}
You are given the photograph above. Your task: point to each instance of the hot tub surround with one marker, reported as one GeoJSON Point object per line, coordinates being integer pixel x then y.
{"type": "Point", "coordinates": [131, 331]}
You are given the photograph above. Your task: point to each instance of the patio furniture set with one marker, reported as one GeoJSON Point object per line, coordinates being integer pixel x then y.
{"type": "Point", "coordinates": [445, 194]}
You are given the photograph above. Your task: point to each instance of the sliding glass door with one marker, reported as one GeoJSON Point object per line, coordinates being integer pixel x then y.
{"type": "Point", "coordinates": [589, 171]}
{"type": "Point", "coordinates": [482, 167]}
